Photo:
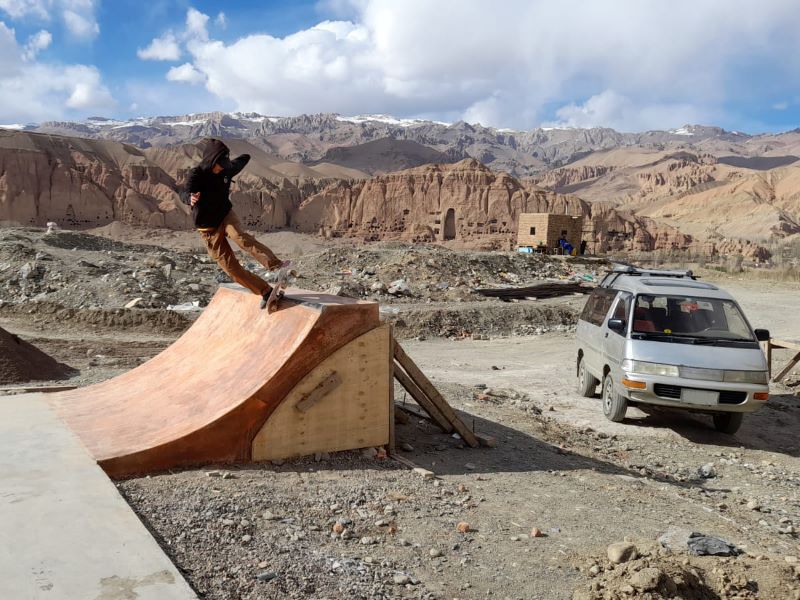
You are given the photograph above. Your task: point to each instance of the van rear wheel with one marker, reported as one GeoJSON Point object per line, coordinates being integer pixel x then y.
{"type": "Point", "coordinates": [614, 405]}
{"type": "Point", "coordinates": [587, 383]}
{"type": "Point", "coordinates": [728, 422]}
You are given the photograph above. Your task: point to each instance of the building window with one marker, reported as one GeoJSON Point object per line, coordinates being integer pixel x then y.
{"type": "Point", "coordinates": [563, 233]}
{"type": "Point", "coordinates": [533, 230]}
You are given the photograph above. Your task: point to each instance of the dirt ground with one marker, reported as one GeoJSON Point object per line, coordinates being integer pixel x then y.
{"type": "Point", "coordinates": [269, 531]}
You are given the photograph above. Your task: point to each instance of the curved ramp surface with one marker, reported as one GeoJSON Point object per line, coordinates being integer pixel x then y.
{"type": "Point", "coordinates": [204, 398]}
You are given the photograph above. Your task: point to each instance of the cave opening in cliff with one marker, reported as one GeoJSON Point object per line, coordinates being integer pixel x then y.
{"type": "Point", "coordinates": [450, 224]}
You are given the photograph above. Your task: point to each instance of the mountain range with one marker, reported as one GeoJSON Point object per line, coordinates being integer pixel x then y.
{"type": "Point", "coordinates": [686, 187]}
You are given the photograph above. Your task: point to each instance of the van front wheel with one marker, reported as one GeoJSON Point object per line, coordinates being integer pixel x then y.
{"type": "Point", "coordinates": [587, 383]}
{"type": "Point", "coordinates": [614, 405]}
{"type": "Point", "coordinates": [728, 422]}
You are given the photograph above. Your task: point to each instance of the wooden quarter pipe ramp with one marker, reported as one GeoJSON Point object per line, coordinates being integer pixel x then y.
{"type": "Point", "coordinates": [243, 385]}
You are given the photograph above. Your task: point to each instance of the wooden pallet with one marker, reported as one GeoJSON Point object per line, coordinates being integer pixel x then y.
{"type": "Point", "coordinates": [428, 397]}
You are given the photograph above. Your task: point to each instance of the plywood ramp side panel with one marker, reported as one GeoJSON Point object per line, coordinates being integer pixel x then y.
{"type": "Point", "coordinates": [356, 414]}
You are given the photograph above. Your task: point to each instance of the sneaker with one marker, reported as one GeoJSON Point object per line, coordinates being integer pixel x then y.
{"type": "Point", "coordinates": [265, 298]}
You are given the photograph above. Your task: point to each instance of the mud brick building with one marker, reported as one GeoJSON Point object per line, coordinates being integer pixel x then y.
{"type": "Point", "coordinates": [541, 231]}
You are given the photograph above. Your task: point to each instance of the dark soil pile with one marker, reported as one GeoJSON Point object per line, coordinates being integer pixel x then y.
{"type": "Point", "coordinates": [21, 362]}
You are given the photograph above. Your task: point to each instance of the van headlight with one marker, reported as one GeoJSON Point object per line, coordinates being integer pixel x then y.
{"type": "Point", "coordinates": [648, 368]}
{"type": "Point", "coordinates": [746, 377]}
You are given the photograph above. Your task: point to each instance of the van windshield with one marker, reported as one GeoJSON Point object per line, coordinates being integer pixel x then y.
{"type": "Point", "coordinates": [689, 316]}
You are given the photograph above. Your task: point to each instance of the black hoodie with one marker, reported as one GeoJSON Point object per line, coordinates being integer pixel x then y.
{"type": "Point", "coordinates": [214, 203]}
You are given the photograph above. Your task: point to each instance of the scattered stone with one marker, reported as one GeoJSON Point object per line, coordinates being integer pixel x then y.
{"type": "Point", "coordinates": [621, 552]}
{"type": "Point", "coordinates": [707, 471]}
{"type": "Point", "coordinates": [424, 473]}
{"type": "Point", "coordinates": [435, 553]}
{"type": "Point", "coordinates": [247, 539]}
{"type": "Point", "coordinates": [463, 527]}
{"type": "Point", "coordinates": [133, 302]}
{"type": "Point", "coordinates": [268, 515]}
{"type": "Point", "coordinates": [367, 541]}
{"type": "Point", "coordinates": [401, 579]}
{"type": "Point", "coordinates": [267, 576]}
{"type": "Point", "coordinates": [406, 447]}
{"type": "Point", "coordinates": [537, 533]}
{"type": "Point", "coordinates": [647, 579]}
{"type": "Point", "coordinates": [753, 505]}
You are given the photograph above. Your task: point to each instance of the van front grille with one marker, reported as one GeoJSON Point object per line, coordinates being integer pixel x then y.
{"type": "Point", "coordinates": [732, 397]}
{"type": "Point", "coordinates": [667, 391]}
{"type": "Point", "coordinates": [673, 392]}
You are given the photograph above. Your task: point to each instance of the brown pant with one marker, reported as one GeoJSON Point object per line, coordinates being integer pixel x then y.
{"type": "Point", "coordinates": [219, 249]}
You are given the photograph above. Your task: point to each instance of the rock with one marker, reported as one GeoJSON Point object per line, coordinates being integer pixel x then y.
{"type": "Point", "coordinates": [753, 505]}
{"type": "Point", "coordinates": [647, 579]}
{"type": "Point", "coordinates": [401, 579]}
{"type": "Point", "coordinates": [434, 553]}
{"type": "Point", "coordinates": [424, 473]}
{"type": "Point", "coordinates": [133, 302]}
{"type": "Point", "coordinates": [338, 528]}
{"type": "Point", "coordinates": [406, 447]}
{"type": "Point", "coordinates": [707, 471]}
{"type": "Point", "coordinates": [267, 576]}
{"type": "Point", "coordinates": [268, 515]}
{"type": "Point", "coordinates": [537, 533]}
{"type": "Point", "coordinates": [246, 539]}
{"type": "Point", "coordinates": [367, 541]}
{"type": "Point", "coordinates": [369, 453]}
{"type": "Point", "coordinates": [469, 466]}
{"type": "Point", "coordinates": [594, 570]}
{"type": "Point", "coordinates": [463, 527]}
{"type": "Point", "coordinates": [792, 560]}
{"type": "Point", "coordinates": [621, 552]}
{"type": "Point", "coordinates": [399, 287]}
{"type": "Point", "coordinates": [707, 545]}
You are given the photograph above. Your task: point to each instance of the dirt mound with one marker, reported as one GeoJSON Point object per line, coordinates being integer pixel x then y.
{"type": "Point", "coordinates": [21, 362]}
{"type": "Point", "coordinates": [660, 574]}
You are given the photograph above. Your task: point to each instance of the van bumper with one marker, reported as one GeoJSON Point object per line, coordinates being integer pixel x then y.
{"type": "Point", "coordinates": [693, 394]}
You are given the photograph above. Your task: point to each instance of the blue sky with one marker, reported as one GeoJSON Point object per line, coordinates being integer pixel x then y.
{"type": "Point", "coordinates": [627, 64]}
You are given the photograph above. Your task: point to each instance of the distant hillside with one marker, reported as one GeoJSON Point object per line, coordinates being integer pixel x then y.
{"type": "Point", "coordinates": [384, 156]}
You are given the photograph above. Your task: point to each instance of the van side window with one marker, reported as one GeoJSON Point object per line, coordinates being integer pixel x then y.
{"type": "Point", "coordinates": [623, 308]}
{"type": "Point", "coordinates": [597, 306]}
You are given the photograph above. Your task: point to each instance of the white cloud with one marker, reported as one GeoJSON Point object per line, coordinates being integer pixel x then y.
{"type": "Point", "coordinates": [780, 105]}
{"type": "Point", "coordinates": [221, 20]}
{"type": "Point", "coordinates": [639, 64]}
{"type": "Point", "coordinates": [80, 25]}
{"type": "Point", "coordinates": [185, 73]}
{"type": "Point", "coordinates": [610, 109]}
{"type": "Point", "coordinates": [161, 48]}
{"type": "Point", "coordinates": [35, 91]}
{"type": "Point", "coordinates": [196, 24]}
{"type": "Point", "coordinates": [78, 16]}
{"type": "Point", "coordinates": [36, 43]}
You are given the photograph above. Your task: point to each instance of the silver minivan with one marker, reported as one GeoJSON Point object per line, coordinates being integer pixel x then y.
{"type": "Point", "coordinates": [664, 338]}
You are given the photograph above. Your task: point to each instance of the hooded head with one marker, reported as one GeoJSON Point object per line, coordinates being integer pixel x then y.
{"type": "Point", "coordinates": [215, 153]}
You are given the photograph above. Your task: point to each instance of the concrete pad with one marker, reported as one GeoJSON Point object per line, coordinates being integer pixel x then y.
{"type": "Point", "coordinates": [66, 532]}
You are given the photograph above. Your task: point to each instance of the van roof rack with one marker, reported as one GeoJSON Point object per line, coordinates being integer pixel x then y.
{"type": "Point", "coordinates": [628, 269]}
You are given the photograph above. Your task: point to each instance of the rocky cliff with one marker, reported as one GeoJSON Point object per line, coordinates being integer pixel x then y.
{"type": "Point", "coordinates": [82, 183]}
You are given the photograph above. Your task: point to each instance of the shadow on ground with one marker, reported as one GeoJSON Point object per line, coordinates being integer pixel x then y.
{"type": "Point", "coordinates": [773, 428]}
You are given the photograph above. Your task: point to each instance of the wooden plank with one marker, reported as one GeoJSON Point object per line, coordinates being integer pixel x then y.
{"type": "Point", "coordinates": [433, 394]}
{"type": "Point", "coordinates": [33, 389]}
{"type": "Point", "coordinates": [390, 360]}
{"type": "Point", "coordinates": [412, 409]}
{"type": "Point", "coordinates": [788, 345]}
{"type": "Point", "coordinates": [423, 400]}
{"type": "Point", "coordinates": [356, 414]}
{"type": "Point", "coordinates": [324, 387]}
{"type": "Point", "coordinates": [789, 366]}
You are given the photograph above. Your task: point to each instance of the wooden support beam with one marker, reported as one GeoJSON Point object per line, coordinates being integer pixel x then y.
{"type": "Point", "coordinates": [789, 366]}
{"type": "Point", "coordinates": [421, 399]}
{"type": "Point", "coordinates": [412, 409]}
{"type": "Point", "coordinates": [433, 395]}
{"type": "Point", "coordinates": [788, 345]}
{"type": "Point", "coordinates": [325, 387]}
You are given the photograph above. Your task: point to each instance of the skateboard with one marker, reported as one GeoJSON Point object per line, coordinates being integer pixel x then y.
{"type": "Point", "coordinates": [285, 275]}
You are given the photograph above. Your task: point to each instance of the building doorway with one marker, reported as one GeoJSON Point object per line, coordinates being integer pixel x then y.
{"type": "Point", "coordinates": [450, 224]}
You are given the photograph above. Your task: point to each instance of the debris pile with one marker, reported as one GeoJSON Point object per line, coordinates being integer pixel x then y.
{"type": "Point", "coordinates": [21, 362]}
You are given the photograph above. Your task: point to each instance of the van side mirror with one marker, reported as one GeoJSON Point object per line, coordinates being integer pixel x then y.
{"type": "Point", "coordinates": [762, 335]}
{"type": "Point", "coordinates": [618, 325]}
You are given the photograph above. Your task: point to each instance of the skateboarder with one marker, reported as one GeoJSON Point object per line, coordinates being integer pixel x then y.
{"type": "Point", "coordinates": [209, 186]}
